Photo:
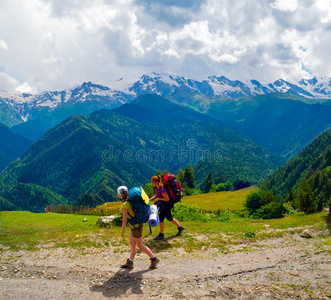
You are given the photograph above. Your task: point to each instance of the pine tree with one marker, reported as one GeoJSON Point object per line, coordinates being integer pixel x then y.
{"type": "Point", "coordinates": [306, 198]}
{"type": "Point", "coordinates": [291, 199]}
{"type": "Point", "coordinates": [189, 179]}
{"type": "Point", "coordinates": [207, 185]}
{"type": "Point", "coordinates": [165, 172]}
{"type": "Point", "coordinates": [180, 175]}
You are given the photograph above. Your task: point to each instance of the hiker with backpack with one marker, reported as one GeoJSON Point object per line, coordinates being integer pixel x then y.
{"type": "Point", "coordinates": [134, 214]}
{"type": "Point", "coordinates": [164, 205]}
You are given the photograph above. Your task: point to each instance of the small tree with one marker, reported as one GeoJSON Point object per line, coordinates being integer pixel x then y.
{"type": "Point", "coordinates": [165, 172]}
{"type": "Point", "coordinates": [149, 189]}
{"type": "Point", "coordinates": [180, 175]}
{"type": "Point", "coordinates": [207, 185]}
{"type": "Point", "coordinates": [189, 179]}
{"type": "Point", "coordinates": [253, 200]}
{"type": "Point", "coordinates": [305, 198]}
{"type": "Point", "coordinates": [290, 197]}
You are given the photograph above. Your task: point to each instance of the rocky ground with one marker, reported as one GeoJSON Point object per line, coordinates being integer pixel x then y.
{"type": "Point", "coordinates": [279, 268]}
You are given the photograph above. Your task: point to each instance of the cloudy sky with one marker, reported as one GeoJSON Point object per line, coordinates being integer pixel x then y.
{"type": "Point", "coordinates": [58, 44]}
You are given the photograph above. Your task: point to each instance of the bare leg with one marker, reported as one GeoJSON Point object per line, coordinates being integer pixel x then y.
{"type": "Point", "coordinates": [174, 221]}
{"type": "Point", "coordinates": [133, 245]}
{"type": "Point", "coordinates": [161, 227]}
{"type": "Point", "coordinates": [142, 247]}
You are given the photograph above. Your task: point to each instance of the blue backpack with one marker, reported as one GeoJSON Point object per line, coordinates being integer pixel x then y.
{"type": "Point", "coordinates": [140, 205]}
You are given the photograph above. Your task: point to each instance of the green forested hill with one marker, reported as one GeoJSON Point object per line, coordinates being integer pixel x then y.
{"type": "Point", "coordinates": [312, 165]}
{"type": "Point", "coordinates": [205, 141]}
{"type": "Point", "coordinates": [11, 146]}
{"type": "Point", "coordinates": [280, 123]}
{"type": "Point", "coordinates": [94, 155]}
{"type": "Point", "coordinates": [68, 160]}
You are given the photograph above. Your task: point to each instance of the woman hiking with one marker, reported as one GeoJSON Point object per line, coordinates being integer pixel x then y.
{"type": "Point", "coordinates": [164, 205]}
{"type": "Point", "coordinates": [136, 230]}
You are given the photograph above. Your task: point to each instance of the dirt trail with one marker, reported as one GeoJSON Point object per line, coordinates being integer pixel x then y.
{"type": "Point", "coordinates": [279, 268]}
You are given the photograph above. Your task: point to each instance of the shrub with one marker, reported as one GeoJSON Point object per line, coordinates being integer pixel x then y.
{"type": "Point", "coordinates": [264, 205]}
{"type": "Point", "coordinates": [149, 189]}
{"type": "Point", "coordinates": [221, 187]}
{"type": "Point", "coordinates": [190, 212]}
{"type": "Point", "coordinates": [254, 200]}
{"type": "Point", "coordinates": [250, 234]}
{"type": "Point", "coordinates": [224, 217]}
{"type": "Point", "coordinates": [190, 192]}
{"type": "Point", "coordinates": [271, 210]}
{"type": "Point", "coordinates": [289, 210]}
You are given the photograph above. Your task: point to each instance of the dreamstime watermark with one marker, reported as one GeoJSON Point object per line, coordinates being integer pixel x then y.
{"type": "Point", "coordinates": [189, 154]}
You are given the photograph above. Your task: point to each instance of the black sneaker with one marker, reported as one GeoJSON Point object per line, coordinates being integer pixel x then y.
{"type": "Point", "coordinates": [159, 237]}
{"type": "Point", "coordinates": [180, 230]}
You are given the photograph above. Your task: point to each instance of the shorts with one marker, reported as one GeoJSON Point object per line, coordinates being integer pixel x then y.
{"type": "Point", "coordinates": [164, 210]}
{"type": "Point", "coordinates": [137, 232]}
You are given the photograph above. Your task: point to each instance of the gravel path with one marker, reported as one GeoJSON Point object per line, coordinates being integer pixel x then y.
{"type": "Point", "coordinates": [278, 268]}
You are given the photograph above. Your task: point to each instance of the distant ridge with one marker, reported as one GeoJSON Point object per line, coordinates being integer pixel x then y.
{"type": "Point", "coordinates": [30, 107]}
{"type": "Point", "coordinates": [12, 146]}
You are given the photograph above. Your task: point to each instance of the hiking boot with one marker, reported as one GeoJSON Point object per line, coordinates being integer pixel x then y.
{"type": "Point", "coordinates": [159, 237]}
{"type": "Point", "coordinates": [180, 230]}
{"type": "Point", "coordinates": [154, 262]}
{"type": "Point", "coordinates": [127, 265]}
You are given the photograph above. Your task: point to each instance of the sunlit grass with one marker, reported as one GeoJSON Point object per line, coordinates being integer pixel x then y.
{"type": "Point", "coordinates": [26, 230]}
{"type": "Point", "coordinates": [22, 228]}
{"type": "Point", "coordinates": [233, 200]}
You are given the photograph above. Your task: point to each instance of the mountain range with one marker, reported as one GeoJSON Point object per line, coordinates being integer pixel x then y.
{"type": "Point", "coordinates": [275, 116]}
{"type": "Point", "coordinates": [95, 154]}
{"type": "Point", "coordinates": [84, 99]}
{"type": "Point", "coordinates": [282, 124]}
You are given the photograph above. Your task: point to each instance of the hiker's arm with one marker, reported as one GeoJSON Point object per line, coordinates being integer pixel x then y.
{"type": "Point", "coordinates": [154, 197]}
{"type": "Point", "coordinates": [124, 222]}
{"type": "Point", "coordinates": [165, 197]}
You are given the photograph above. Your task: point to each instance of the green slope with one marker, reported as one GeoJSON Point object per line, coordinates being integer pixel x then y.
{"type": "Point", "coordinates": [94, 155]}
{"type": "Point", "coordinates": [201, 140]}
{"type": "Point", "coordinates": [313, 165]}
{"type": "Point", "coordinates": [69, 161]}
{"type": "Point", "coordinates": [11, 146]}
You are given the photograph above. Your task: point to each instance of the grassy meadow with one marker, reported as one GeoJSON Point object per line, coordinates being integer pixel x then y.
{"type": "Point", "coordinates": [30, 231]}
{"type": "Point", "coordinates": [232, 200]}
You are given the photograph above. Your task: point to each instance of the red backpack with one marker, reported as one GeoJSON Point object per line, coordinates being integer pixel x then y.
{"type": "Point", "coordinates": [173, 187]}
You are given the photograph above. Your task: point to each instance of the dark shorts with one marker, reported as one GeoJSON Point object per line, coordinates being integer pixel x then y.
{"type": "Point", "coordinates": [164, 210]}
{"type": "Point", "coordinates": [137, 232]}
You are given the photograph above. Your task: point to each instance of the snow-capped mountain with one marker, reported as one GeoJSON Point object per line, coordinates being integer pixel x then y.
{"type": "Point", "coordinates": [164, 84]}
{"type": "Point", "coordinates": [96, 96]}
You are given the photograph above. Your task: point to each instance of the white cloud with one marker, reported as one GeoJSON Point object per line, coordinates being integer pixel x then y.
{"type": "Point", "coordinates": [7, 82]}
{"type": "Point", "coordinates": [3, 45]}
{"type": "Point", "coordinates": [285, 5]}
{"type": "Point", "coordinates": [25, 88]}
{"type": "Point", "coordinates": [57, 44]}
